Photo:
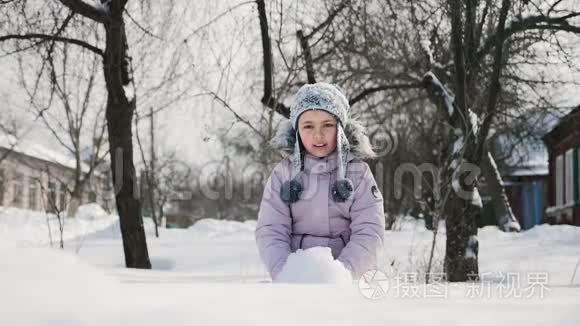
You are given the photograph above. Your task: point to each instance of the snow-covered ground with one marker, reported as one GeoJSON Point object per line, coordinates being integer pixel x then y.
{"type": "Point", "coordinates": [28, 227]}
{"type": "Point", "coordinates": [211, 274]}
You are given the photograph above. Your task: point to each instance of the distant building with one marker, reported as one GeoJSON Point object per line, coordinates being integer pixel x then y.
{"type": "Point", "coordinates": [524, 169]}
{"type": "Point", "coordinates": [35, 177]}
{"type": "Point", "coordinates": [212, 200]}
{"type": "Point", "coordinates": [182, 213]}
{"type": "Point", "coordinates": [526, 187]}
{"type": "Point", "coordinates": [563, 143]}
{"type": "Point", "coordinates": [525, 183]}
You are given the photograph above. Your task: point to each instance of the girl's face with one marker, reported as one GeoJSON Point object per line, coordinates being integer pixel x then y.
{"type": "Point", "coordinates": [317, 130]}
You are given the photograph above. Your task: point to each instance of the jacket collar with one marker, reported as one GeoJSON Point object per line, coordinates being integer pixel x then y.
{"type": "Point", "coordinates": [329, 163]}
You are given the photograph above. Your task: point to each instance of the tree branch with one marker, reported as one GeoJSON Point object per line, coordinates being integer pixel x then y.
{"type": "Point", "coordinates": [494, 87]}
{"type": "Point", "coordinates": [457, 43]}
{"type": "Point", "coordinates": [376, 89]}
{"type": "Point", "coordinates": [329, 19]}
{"type": "Point", "coordinates": [227, 106]}
{"type": "Point", "coordinates": [33, 36]}
{"type": "Point", "coordinates": [268, 99]}
{"type": "Point", "coordinates": [307, 56]}
{"type": "Point", "coordinates": [563, 28]}
{"type": "Point", "coordinates": [530, 23]}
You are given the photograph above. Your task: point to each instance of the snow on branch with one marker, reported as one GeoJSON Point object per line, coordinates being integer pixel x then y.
{"type": "Point", "coordinates": [428, 51]}
{"type": "Point", "coordinates": [474, 122]}
{"type": "Point", "coordinates": [426, 47]}
{"type": "Point", "coordinates": [98, 12]}
{"type": "Point", "coordinates": [435, 87]}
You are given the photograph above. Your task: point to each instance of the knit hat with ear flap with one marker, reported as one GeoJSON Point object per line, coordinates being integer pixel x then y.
{"type": "Point", "coordinates": [329, 98]}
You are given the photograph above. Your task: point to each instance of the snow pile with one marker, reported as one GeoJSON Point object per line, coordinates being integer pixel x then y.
{"type": "Point", "coordinates": [543, 233]}
{"type": "Point", "coordinates": [213, 228]}
{"type": "Point", "coordinates": [554, 233]}
{"type": "Point", "coordinates": [90, 211]}
{"type": "Point", "coordinates": [56, 286]}
{"type": "Point", "coordinates": [313, 265]}
{"type": "Point", "coordinates": [410, 223]}
{"type": "Point", "coordinates": [51, 287]}
{"type": "Point", "coordinates": [35, 227]}
{"type": "Point", "coordinates": [493, 233]}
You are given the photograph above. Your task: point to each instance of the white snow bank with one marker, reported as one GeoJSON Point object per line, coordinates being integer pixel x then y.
{"type": "Point", "coordinates": [46, 286]}
{"type": "Point", "coordinates": [313, 265]}
{"type": "Point", "coordinates": [554, 233]}
{"type": "Point", "coordinates": [407, 223]}
{"type": "Point", "coordinates": [212, 228]}
{"type": "Point", "coordinates": [564, 234]}
{"type": "Point", "coordinates": [33, 227]}
{"type": "Point", "coordinates": [90, 211]}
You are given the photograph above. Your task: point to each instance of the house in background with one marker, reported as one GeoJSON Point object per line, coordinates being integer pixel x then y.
{"type": "Point", "coordinates": [563, 143]}
{"type": "Point", "coordinates": [526, 187]}
{"type": "Point", "coordinates": [522, 159]}
{"type": "Point", "coordinates": [35, 177]}
{"type": "Point", "coordinates": [524, 172]}
{"type": "Point", "coordinates": [211, 197]}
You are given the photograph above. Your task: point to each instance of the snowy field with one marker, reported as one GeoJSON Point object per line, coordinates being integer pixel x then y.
{"type": "Point", "coordinates": [211, 274]}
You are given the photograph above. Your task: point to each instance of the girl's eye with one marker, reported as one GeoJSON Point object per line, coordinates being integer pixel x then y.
{"type": "Point", "coordinates": [307, 127]}
{"type": "Point", "coordinates": [330, 125]}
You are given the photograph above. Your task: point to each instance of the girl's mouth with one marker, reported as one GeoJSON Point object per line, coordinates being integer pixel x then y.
{"type": "Point", "coordinates": [319, 146]}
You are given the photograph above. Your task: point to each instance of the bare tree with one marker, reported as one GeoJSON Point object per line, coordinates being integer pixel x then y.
{"type": "Point", "coordinates": [170, 178]}
{"type": "Point", "coordinates": [52, 205]}
{"type": "Point", "coordinates": [163, 178]}
{"type": "Point", "coordinates": [113, 49]}
{"type": "Point", "coordinates": [143, 57]}
{"type": "Point", "coordinates": [470, 47]}
{"type": "Point", "coordinates": [71, 114]}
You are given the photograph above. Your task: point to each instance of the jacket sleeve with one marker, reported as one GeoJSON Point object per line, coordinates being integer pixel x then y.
{"type": "Point", "coordinates": [274, 225]}
{"type": "Point", "coordinates": [367, 227]}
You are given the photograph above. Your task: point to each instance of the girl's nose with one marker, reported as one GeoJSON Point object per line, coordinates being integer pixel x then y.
{"type": "Point", "coordinates": [319, 134]}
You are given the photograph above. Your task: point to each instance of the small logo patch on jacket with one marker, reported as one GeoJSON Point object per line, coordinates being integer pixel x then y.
{"type": "Point", "coordinates": [375, 191]}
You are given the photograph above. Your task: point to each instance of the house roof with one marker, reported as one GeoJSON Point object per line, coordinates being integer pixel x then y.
{"type": "Point", "coordinates": [523, 147]}
{"type": "Point", "coordinates": [527, 159]}
{"type": "Point", "coordinates": [529, 156]}
{"type": "Point", "coordinates": [39, 151]}
{"type": "Point", "coordinates": [561, 120]}
{"type": "Point", "coordinates": [528, 170]}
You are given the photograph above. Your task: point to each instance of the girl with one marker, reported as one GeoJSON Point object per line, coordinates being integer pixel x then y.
{"type": "Point", "coordinates": [322, 193]}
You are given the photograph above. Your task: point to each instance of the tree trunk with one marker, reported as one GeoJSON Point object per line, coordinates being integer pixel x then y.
{"type": "Point", "coordinates": [499, 200]}
{"type": "Point", "coordinates": [119, 116]}
{"type": "Point", "coordinates": [462, 211]}
{"type": "Point", "coordinates": [154, 216]}
{"type": "Point", "coordinates": [160, 216]}
{"type": "Point", "coordinates": [462, 204]}
{"type": "Point", "coordinates": [151, 178]}
{"type": "Point", "coordinates": [307, 57]}
{"type": "Point", "coordinates": [461, 247]}
{"type": "Point", "coordinates": [269, 99]}
{"type": "Point", "coordinates": [75, 200]}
